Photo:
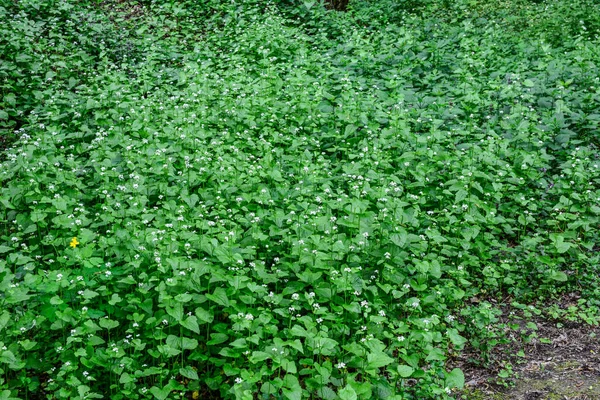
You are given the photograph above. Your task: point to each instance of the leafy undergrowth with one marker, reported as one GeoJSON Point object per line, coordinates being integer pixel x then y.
{"type": "Point", "coordinates": [272, 200]}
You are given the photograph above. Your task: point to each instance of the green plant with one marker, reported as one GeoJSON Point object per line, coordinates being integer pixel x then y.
{"type": "Point", "coordinates": [239, 199]}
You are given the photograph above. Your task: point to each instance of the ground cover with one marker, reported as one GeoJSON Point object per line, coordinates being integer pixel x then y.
{"type": "Point", "coordinates": [273, 200]}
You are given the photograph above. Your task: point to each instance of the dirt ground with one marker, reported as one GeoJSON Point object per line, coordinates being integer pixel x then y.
{"type": "Point", "coordinates": [561, 363]}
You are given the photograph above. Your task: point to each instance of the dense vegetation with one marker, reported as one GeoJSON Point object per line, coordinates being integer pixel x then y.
{"type": "Point", "coordinates": [252, 199]}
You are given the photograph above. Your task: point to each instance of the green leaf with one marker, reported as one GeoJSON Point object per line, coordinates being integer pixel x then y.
{"type": "Point", "coordinates": [108, 323]}
{"type": "Point", "coordinates": [204, 316]}
{"type": "Point", "coordinates": [4, 318]}
{"type": "Point", "coordinates": [189, 373]}
{"type": "Point", "coordinates": [176, 311]}
{"type": "Point", "coordinates": [258, 356]}
{"type": "Point", "coordinates": [8, 357]}
{"type": "Point", "coordinates": [405, 371]}
{"type": "Point", "coordinates": [125, 378]}
{"type": "Point", "coordinates": [217, 338]}
{"type": "Point", "coordinates": [27, 344]}
{"type": "Point", "coordinates": [219, 296]}
{"type": "Point", "coordinates": [558, 276]}
{"type": "Point", "coordinates": [188, 344]}
{"type": "Point", "coordinates": [455, 379]}
{"type": "Point", "coordinates": [160, 394]}
{"type": "Point", "coordinates": [325, 392]}
{"type": "Point", "coordinates": [347, 393]}
{"type": "Point", "coordinates": [17, 296]}
{"type": "Point", "coordinates": [399, 239]}
{"type": "Point", "coordinates": [292, 389]}
{"type": "Point", "coordinates": [378, 360]}
{"type": "Point", "coordinates": [191, 323]}
{"type": "Point", "coordinates": [456, 339]}
{"type": "Point", "coordinates": [289, 366]}
{"type": "Point", "coordinates": [309, 4]}
{"type": "Point", "coordinates": [37, 216]}
{"type": "Point", "coordinates": [297, 330]}
{"type": "Point", "coordinates": [6, 395]}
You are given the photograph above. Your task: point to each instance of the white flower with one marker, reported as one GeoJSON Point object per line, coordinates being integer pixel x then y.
{"type": "Point", "coordinates": [401, 338]}
{"type": "Point", "coordinates": [249, 317]}
{"type": "Point", "coordinates": [238, 380]}
{"type": "Point", "coordinates": [382, 313]}
{"type": "Point", "coordinates": [340, 365]}
{"type": "Point", "coordinates": [295, 296]}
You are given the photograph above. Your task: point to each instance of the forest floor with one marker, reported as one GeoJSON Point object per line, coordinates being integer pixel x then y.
{"type": "Point", "coordinates": [560, 361]}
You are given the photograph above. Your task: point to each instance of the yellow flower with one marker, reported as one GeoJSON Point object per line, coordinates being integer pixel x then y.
{"type": "Point", "coordinates": [74, 242]}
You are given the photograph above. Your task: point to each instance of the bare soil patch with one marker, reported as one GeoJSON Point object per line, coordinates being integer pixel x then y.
{"type": "Point", "coordinates": [562, 362]}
